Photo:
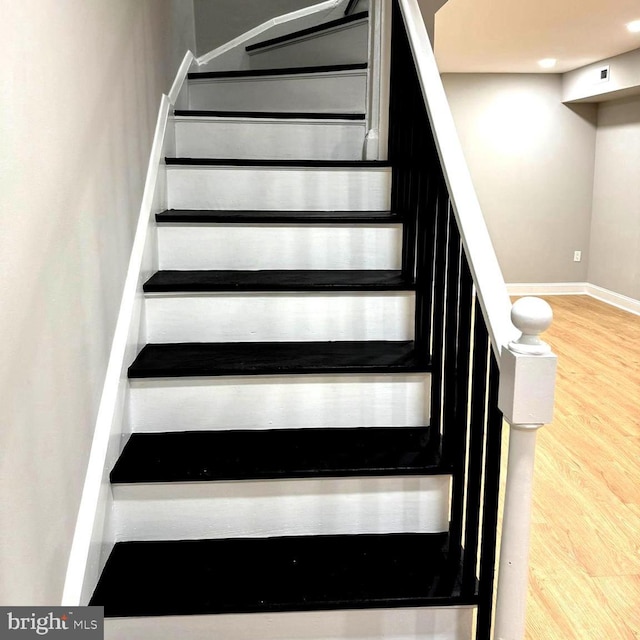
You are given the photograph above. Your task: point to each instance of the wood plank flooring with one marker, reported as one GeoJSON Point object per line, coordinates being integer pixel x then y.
{"type": "Point", "coordinates": [585, 542]}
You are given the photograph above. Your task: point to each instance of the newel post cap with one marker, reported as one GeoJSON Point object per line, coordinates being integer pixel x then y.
{"type": "Point", "coordinates": [531, 316]}
{"type": "Point", "coordinates": [528, 367]}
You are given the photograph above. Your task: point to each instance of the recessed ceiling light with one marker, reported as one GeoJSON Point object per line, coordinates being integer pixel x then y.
{"type": "Point", "coordinates": [547, 63]}
{"type": "Point", "coordinates": [634, 26]}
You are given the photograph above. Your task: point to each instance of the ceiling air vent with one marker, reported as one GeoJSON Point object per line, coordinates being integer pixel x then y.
{"type": "Point", "coordinates": [602, 74]}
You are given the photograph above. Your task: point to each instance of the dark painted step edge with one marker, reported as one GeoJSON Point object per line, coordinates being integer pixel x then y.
{"type": "Point", "coordinates": [273, 115]}
{"type": "Point", "coordinates": [416, 602]}
{"type": "Point", "coordinates": [196, 216]}
{"type": "Point", "coordinates": [431, 541]}
{"type": "Point", "coordinates": [136, 372]}
{"type": "Point", "coordinates": [215, 359]}
{"type": "Point", "coordinates": [129, 459]}
{"type": "Point", "coordinates": [284, 71]}
{"type": "Point", "coordinates": [263, 162]}
{"type": "Point", "coordinates": [201, 285]}
{"type": "Point", "coordinates": [319, 28]}
{"type": "Point", "coordinates": [431, 470]}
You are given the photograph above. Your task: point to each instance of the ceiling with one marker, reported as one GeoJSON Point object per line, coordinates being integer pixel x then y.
{"type": "Point", "coordinates": [510, 36]}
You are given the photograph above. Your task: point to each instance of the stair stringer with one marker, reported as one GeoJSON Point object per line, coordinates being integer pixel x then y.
{"type": "Point", "coordinates": [93, 537]}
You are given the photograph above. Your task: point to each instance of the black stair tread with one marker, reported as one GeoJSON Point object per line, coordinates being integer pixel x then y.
{"type": "Point", "coordinates": [278, 217]}
{"type": "Point", "coordinates": [319, 28]}
{"type": "Point", "coordinates": [284, 115]}
{"type": "Point", "coordinates": [301, 573]}
{"type": "Point", "coordinates": [269, 162]}
{"type": "Point", "coordinates": [278, 280]}
{"type": "Point", "coordinates": [283, 71]}
{"type": "Point", "coordinates": [276, 358]}
{"type": "Point", "coordinates": [277, 454]}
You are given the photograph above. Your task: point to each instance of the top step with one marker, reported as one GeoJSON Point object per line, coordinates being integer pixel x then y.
{"type": "Point", "coordinates": [310, 31]}
{"type": "Point", "coordinates": [285, 71]}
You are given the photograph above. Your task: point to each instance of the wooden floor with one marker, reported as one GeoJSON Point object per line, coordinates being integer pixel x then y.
{"type": "Point", "coordinates": [585, 546]}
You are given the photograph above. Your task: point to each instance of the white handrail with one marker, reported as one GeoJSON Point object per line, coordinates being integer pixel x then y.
{"type": "Point", "coordinates": [487, 276]}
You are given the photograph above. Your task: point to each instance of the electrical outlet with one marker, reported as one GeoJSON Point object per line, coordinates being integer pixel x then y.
{"type": "Point", "coordinates": [577, 256]}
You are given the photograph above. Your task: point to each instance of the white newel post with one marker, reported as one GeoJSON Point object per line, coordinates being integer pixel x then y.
{"type": "Point", "coordinates": [527, 383]}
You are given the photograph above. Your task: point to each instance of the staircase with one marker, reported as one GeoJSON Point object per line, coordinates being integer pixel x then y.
{"type": "Point", "coordinates": [314, 435]}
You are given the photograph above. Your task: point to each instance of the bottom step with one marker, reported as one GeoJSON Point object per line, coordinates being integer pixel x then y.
{"type": "Point", "coordinates": [432, 623]}
{"type": "Point", "coordinates": [304, 573]}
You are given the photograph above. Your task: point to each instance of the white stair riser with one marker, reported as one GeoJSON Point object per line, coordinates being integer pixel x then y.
{"type": "Point", "coordinates": [345, 45]}
{"type": "Point", "coordinates": [326, 93]}
{"type": "Point", "coordinates": [276, 139]}
{"type": "Point", "coordinates": [268, 402]}
{"type": "Point", "coordinates": [278, 189]}
{"type": "Point", "coordinates": [429, 623]}
{"type": "Point", "coordinates": [326, 506]}
{"type": "Point", "coordinates": [279, 247]}
{"type": "Point", "coordinates": [279, 317]}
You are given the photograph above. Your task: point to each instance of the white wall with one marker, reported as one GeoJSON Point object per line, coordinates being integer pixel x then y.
{"type": "Point", "coordinates": [532, 162]}
{"type": "Point", "coordinates": [615, 228]}
{"type": "Point", "coordinates": [218, 21]}
{"type": "Point", "coordinates": [81, 82]}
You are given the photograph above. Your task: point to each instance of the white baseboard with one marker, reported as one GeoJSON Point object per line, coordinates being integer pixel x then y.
{"type": "Point", "coordinates": [575, 288]}
{"type": "Point", "coordinates": [547, 288]}
{"type": "Point", "coordinates": [614, 299]}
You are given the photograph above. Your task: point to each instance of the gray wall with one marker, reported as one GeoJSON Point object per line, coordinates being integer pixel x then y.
{"type": "Point", "coordinates": [81, 87]}
{"type": "Point", "coordinates": [532, 162]}
{"type": "Point", "coordinates": [183, 31]}
{"type": "Point", "coordinates": [218, 21]}
{"type": "Point", "coordinates": [615, 228]}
